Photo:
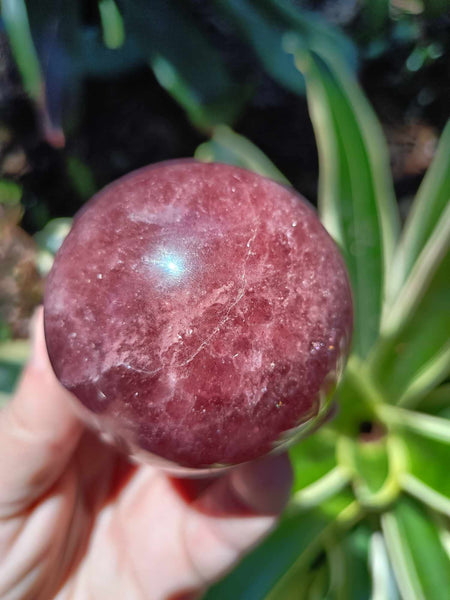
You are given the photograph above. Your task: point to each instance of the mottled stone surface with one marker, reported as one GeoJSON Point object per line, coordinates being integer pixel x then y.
{"type": "Point", "coordinates": [199, 310]}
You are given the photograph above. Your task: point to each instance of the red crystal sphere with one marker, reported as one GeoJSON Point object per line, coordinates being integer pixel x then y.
{"type": "Point", "coordinates": [200, 312]}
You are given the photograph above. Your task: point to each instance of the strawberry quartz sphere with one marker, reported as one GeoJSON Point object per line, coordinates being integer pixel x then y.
{"type": "Point", "coordinates": [200, 313]}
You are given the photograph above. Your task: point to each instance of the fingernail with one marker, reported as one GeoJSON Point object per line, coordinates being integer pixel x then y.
{"type": "Point", "coordinates": [264, 485]}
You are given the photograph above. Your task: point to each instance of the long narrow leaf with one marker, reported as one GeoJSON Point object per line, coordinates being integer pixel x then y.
{"type": "Point", "coordinates": [265, 24]}
{"type": "Point", "coordinates": [112, 24]}
{"type": "Point", "coordinates": [265, 37]}
{"type": "Point", "coordinates": [414, 355]}
{"type": "Point", "coordinates": [437, 402]}
{"type": "Point", "coordinates": [420, 562]}
{"type": "Point", "coordinates": [258, 573]}
{"type": "Point", "coordinates": [349, 564]}
{"type": "Point", "coordinates": [429, 205]}
{"type": "Point", "coordinates": [289, 581]}
{"type": "Point", "coordinates": [229, 147]}
{"type": "Point", "coordinates": [355, 196]}
{"type": "Point", "coordinates": [384, 584]}
{"type": "Point", "coordinates": [427, 476]}
{"type": "Point", "coordinates": [295, 541]}
{"type": "Point", "coordinates": [430, 426]}
{"type": "Point", "coordinates": [15, 17]}
{"type": "Point", "coordinates": [317, 473]}
{"type": "Point", "coordinates": [183, 60]}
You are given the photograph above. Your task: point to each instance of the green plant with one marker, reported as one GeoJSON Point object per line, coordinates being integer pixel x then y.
{"type": "Point", "coordinates": [370, 510]}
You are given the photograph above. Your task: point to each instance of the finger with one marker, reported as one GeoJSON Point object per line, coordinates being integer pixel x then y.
{"type": "Point", "coordinates": [235, 514]}
{"type": "Point", "coordinates": [38, 431]}
{"type": "Point", "coordinates": [178, 542]}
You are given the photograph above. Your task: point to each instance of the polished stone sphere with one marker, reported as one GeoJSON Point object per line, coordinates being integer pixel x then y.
{"type": "Point", "coordinates": [200, 313]}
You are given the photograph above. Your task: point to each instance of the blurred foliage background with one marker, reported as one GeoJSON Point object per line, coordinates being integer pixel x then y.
{"type": "Point", "coordinates": [346, 100]}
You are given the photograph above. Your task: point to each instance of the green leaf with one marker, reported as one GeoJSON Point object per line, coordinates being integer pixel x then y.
{"type": "Point", "coordinates": [112, 24]}
{"type": "Point", "coordinates": [374, 466]}
{"type": "Point", "coordinates": [183, 60]}
{"type": "Point", "coordinates": [426, 212]}
{"type": "Point", "coordinates": [265, 25]}
{"type": "Point", "coordinates": [9, 375]}
{"type": "Point", "coordinates": [349, 564]}
{"type": "Point", "coordinates": [414, 354]}
{"type": "Point", "coordinates": [265, 37]}
{"type": "Point", "coordinates": [52, 236]}
{"type": "Point", "coordinates": [15, 17]}
{"type": "Point", "coordinates": [427, 476]}
{"type": "Point", "coordinates": [429, 426]}
{"type": "Point", "coordinates": [374, 17]}
{"type": "Point", "coordinates": [13, 355]}
{"type": "Point", "coordinates": [316, 32]}
{"type": "Point", "coordinates": [384, 584]}
{"type": "Point", "coordinates": [356, 200]}
{"type": "Point", "coordinates": [317, 476]}
{"type": "Point", "coordinates": [421, 565]}
{"type": "Point", "coordinates": [228, 147]}
{"type": "Point", "coordinates": [56, 29]}
{"type": "Point", "coordinates": [10, 192]}
{"type": "Point", "coordinates": [259, 572]}
{"type": "Point", "coordinates": [437, 402]}
{"type": "Point", "coordinates": [311, 580]}
{"type": "Point", "coordinates": [295, 541]}
{"type": "Point", "coordinates": [357, 399]}
{"type": "Point", "coordinates": [81, 177]}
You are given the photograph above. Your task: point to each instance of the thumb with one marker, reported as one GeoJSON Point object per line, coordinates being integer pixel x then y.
{"type": "Point", "coordinates": [38, 431]}
{"type": "Point", "coordinates": [235, 513]}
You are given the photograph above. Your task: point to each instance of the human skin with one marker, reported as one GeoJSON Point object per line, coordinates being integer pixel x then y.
{"type": "Point", "coordinates": [78, 521]}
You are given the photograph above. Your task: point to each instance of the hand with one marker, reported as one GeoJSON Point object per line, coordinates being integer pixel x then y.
{"type": "Point", "coordinates": [78, 521]}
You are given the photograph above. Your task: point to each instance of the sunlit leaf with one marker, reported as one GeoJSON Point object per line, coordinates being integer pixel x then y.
{"type": "Point", "coordinates": [52, 236]}
{"type": "Point", "coordinates": [15, 17]}
{"type": "Point", "coordinates": [374, 466]}
{"type": "Point", "coordinates": [383, 581]}
{"type": "Point", "coordinates": [430, 426]}
{"type": "Point", "coordinates": [112, 24]}
{"type": "Point", "coordinates": [415, 355]}
{"type": "Point", "coordinates": [317, 475]}
{"type": "Point", "coordinates": [421, 565]}
{"type": "Point", "coordinates": [427, 476]}
{"type": "Point", "coordinates": [356, 199]}
{"type": "Point", "coordinates": [431, 200]}
{"type": "Point", "coordinates": [184, 62]}
{"type": "Point", "coordinates": [228, 147]}
{"type": "Point", "coordinates": [49, 240]}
